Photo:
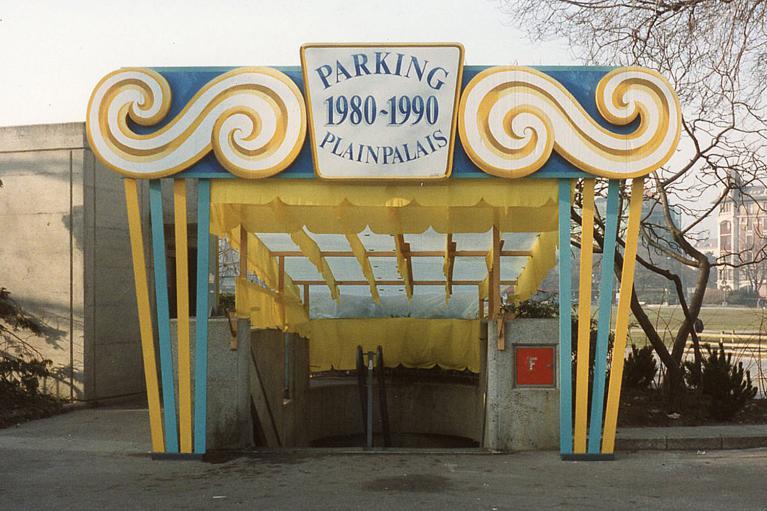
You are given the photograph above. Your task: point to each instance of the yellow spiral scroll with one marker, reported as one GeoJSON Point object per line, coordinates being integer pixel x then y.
{"type": "Point", "coordinates": [511, 118]}
{"type": "Point", "coordinates": [253, 118]}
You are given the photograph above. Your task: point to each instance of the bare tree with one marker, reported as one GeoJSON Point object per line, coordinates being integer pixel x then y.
{"type": "Point", "coordinates": [714, 52]}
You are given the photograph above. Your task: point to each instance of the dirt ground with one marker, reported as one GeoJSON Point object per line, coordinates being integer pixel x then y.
{"type": "Point", "coordinates": [639, 409]}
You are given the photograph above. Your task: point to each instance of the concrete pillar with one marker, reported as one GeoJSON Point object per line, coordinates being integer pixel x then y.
{"type": "Point", "coordinates": [520, 417]}
{"type": "Point", "coordinates": [244, 419]}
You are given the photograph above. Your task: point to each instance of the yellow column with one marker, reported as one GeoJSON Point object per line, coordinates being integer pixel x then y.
{"type": "Point", "coordinates": [622, 317]}
{"type": "Point", "coordinates": [584, 317]}
{"type": "Point", "coordinates": [182, 308]}
{"type": "Point", "coordinates": [144, 315]}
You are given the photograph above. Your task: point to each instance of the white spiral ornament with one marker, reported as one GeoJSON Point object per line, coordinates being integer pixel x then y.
{"type": "Point", "coordinates": [252, 118]}
{"type": "Point", "coordinates": [511, 118]}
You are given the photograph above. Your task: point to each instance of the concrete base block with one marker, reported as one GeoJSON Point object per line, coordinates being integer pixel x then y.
{"type": "Point", "coordinates": [520, 418]}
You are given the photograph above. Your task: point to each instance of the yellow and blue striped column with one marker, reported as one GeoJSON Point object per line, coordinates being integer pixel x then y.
{"type": "Point", "coordinates": [163, 316]}
{"type": "Point", "coordinates": [565, 325]}
{"type": "Point", "coordinates": [144, 314]}
{"type": "Point", "coordinates": [201, 337]}
{"type": "Point", "coordinates": [611, 216]}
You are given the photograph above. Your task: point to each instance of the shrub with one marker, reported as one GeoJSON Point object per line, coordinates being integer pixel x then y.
{"type": "Point", "coordinates": [725, 384]}
{"type": "Point", "coordinates": [20, 373]}
{"type": "Point", "coordinates": [20, 378]}
{"type": "Point", "coordinates": [532, 309]}
{"type": "Point", "coordinates": [640, 368]}
{"type": "Point", "coordinates": [747, 297]}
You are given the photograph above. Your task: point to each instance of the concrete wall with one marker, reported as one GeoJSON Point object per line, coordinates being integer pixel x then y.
{"type": "Point", "coordinates": [66, 259]}
{"type": "Point", "coordinates": [423, 408]}
{"type": "Point", "coordinates": [520, 418]}
{"type": "Point", "coordinates": [289, 411]}
{"type": "Point", "coordinates": [224, 392]}
{"type": "Point", "coordinates": [42, 233]}
{"type": "Point", "coordinates": [496, 414]}
{"type": "Point", "coordinates": [322, 408]}
{"type": "Point", "coordinates": [113, 365]}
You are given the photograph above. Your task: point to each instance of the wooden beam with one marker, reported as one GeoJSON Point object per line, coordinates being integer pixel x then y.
{"type": "Point", "coordinates": [398, 282]}
{"type": "Point", "coordinates": [450, 248]}
{"type": "Point", "coordinates": [481, 303]}
{"type": "Point", "coordinates": [243, 252]}
{"type": "Point", "coordinates": [404, 263]}
{"type": "Point", "coordinates": [495, 283]}
{"type": "Point", "coordinates": [391, 253]}
{"type": "Point", "coordinates": [281, 289]}
{"type": "Point", "coordinates": [306, 298]}
{"type": "Point", "coordinates": [243, 272]}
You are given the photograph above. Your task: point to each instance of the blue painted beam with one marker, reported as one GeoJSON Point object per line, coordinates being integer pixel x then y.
{"type": "Point", "coordinates": [565, 325]}
{"type": "Point", "coordinates": [163, 316]}
{"type": "Point", "coordinates": [607, 278]}
{"type": "Point", "coordinates": [201, 331]}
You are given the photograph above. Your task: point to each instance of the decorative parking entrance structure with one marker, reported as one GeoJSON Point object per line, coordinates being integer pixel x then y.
{"type": "Point", "coordinates": [382, 160]}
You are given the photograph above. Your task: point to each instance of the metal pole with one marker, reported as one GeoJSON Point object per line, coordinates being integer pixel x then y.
{"type": "Point", "coordinates": [384, 409]}
{"type": "Point", "coordinates": [370, 401]}
{"type": "Point", "coordinates": [361, 387]}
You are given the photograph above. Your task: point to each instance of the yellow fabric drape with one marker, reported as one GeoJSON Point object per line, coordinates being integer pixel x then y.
{"type": "Point", "coordinates": [453, 193]}
{"type": "Point", "coordinates": [358, 249]}
{"type": "Point", "coordinates": [543, 258]}
{"type": "Point", "coordinates": [454, 206]}
{"type": "Point", "coordinates": [411, 342]}
{"type": "Point", "coordinates": [312, 252]}
{"type": "Point", "coordinates": [260, 260]}
{"type": "Point", "coordinates": [263, 307]}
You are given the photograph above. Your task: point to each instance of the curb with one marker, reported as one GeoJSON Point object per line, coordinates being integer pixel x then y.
{"type": "Point", "coordinates": [677, 443]}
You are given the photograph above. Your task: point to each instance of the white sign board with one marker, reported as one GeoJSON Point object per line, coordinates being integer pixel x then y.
{"type": "Point", "coordinates": [382, 111]}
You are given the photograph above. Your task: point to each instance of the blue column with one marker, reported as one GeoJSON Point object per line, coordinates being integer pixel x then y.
{"type": "Point", "coordinates": [565, 325]}
{"type": "Point", "coordinates": [201, 337]}
{"type": "Point", "coordinates": [163, 316]}
{"type": "Point", "coordinates": [605, 313]}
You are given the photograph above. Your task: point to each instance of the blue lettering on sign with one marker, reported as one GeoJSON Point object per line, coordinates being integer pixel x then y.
{"type": "Point", "coordinates": [386, 154]}
{"type": "Point", "coordinates": [383, 63]}
{"type": "Point", "coordinates": [399, 110]}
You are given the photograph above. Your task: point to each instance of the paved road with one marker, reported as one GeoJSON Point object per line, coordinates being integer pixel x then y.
{"type": "Point", "coordinates": [96, 459]}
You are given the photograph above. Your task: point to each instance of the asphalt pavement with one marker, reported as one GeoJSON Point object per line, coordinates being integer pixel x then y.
{"type": "Point", "coordinates": [97, 459]}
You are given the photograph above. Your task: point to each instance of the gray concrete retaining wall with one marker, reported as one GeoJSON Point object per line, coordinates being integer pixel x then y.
{"type": "Point", "coordinates": [66, 259]}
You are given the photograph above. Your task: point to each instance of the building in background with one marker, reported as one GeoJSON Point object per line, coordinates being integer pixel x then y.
{"type": "Point", "coordinates": [742, 238]}
{"type": "Point", "coordinates": [651, 287]}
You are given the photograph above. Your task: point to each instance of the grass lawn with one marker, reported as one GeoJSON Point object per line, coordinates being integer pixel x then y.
{"type": "Point", "coordinates": [668, 318]}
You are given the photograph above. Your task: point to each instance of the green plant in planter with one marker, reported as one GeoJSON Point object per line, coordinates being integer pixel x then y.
{"type": "Point", "coordinates": [640, 368]}
{"type": "Point", "coordinates": [726, 385]}
{"type": "Point", "coordinates": [532, 309]}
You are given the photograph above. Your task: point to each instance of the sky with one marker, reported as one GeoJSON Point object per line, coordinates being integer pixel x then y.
{"type": "Point", "coordinates": [52, 53]}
